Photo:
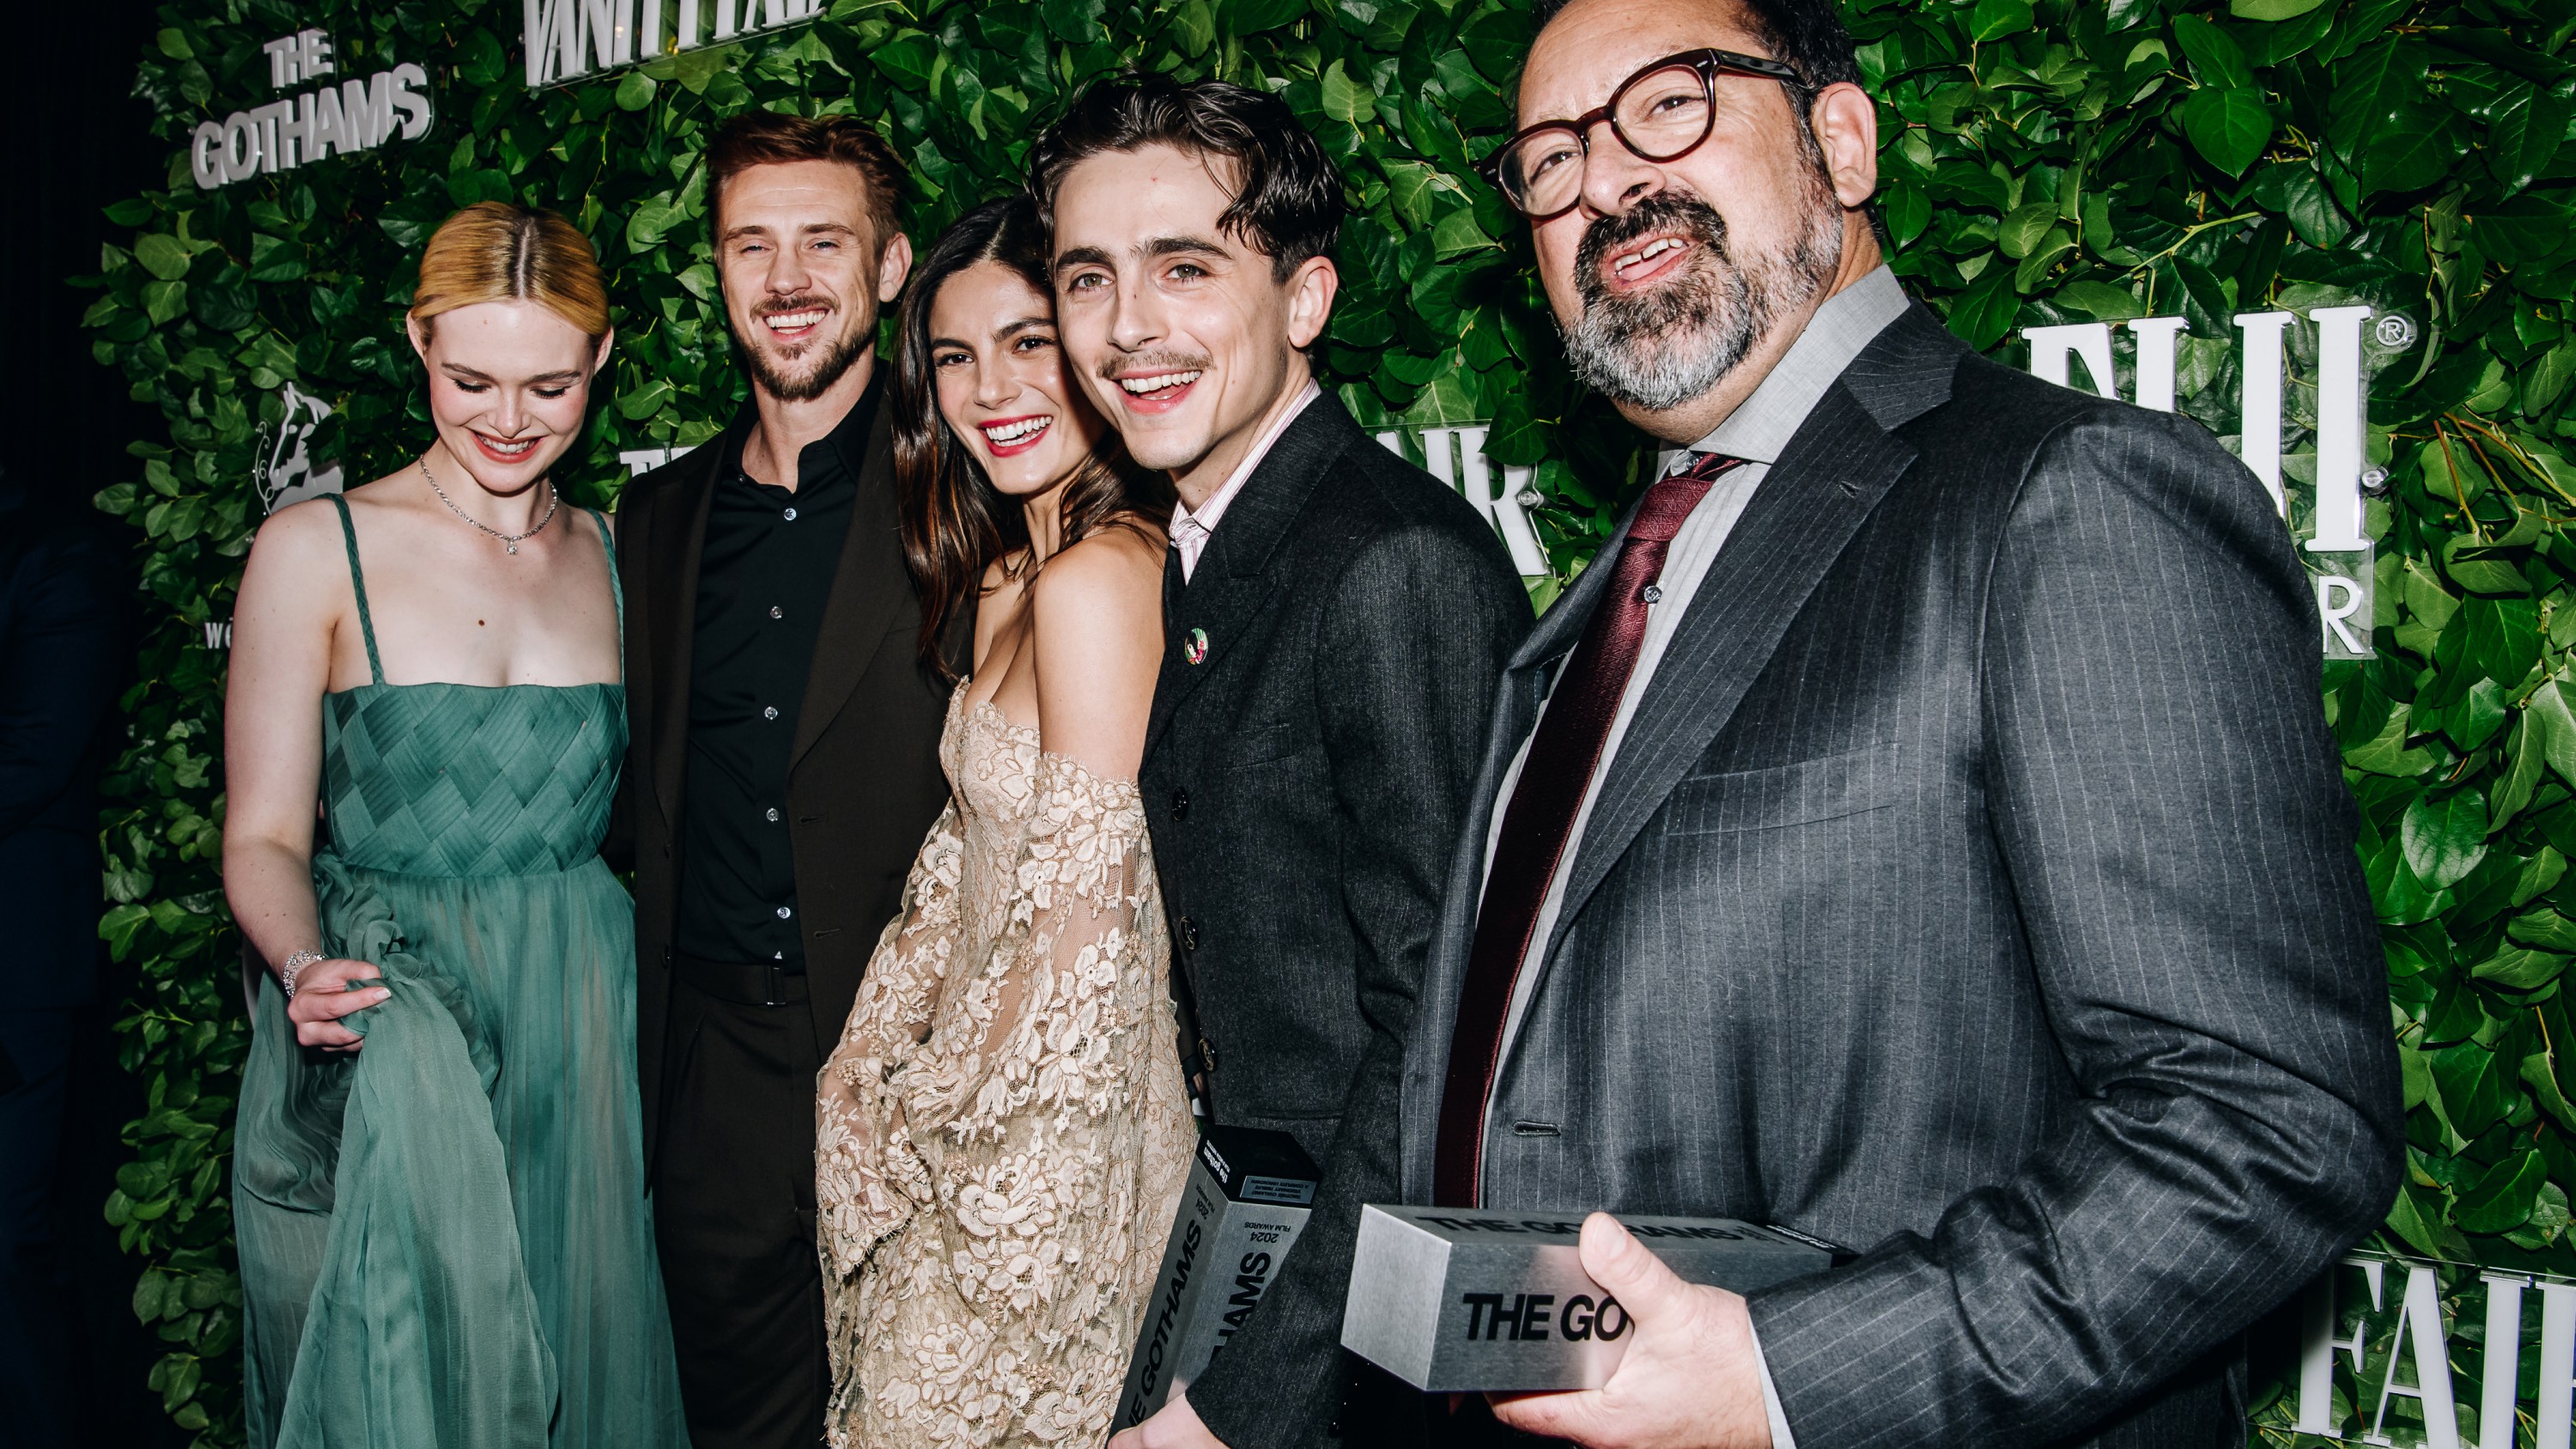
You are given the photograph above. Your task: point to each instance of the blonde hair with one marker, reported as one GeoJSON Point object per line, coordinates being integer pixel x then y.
{"type": "Point", "coordinates": [495, 251]}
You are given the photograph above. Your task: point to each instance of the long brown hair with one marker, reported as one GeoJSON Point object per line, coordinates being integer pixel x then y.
{"type": "Point", "coordinates": [955, 522]}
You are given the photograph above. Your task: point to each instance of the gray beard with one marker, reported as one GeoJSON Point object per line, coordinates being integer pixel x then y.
{"type": "Point", "coordinates": [1658, 350]}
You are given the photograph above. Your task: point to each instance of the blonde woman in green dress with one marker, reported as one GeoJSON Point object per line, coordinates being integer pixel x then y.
{"type": "Point", "coordinates": [438, 1176]}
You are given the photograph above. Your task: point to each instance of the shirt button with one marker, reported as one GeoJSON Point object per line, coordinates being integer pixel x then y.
{"type": "Point", "coordinates": [773, 813]}
{"type": "Point", "coordinates": [789, 515]}
{"type": "Point", "coordinates": [776, 612]}
{"type": "Point", "coordinates": [769, 712]}
{"type": "Point", "coordinates": [784, 913]}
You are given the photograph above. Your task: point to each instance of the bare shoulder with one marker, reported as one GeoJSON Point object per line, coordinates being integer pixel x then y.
{"type": "Point", "coordinates": [1113, 567]}
{"type": "Point", "coordinates": [1100, 598]}
{"type": "Point", "coordinates": [301, 533]}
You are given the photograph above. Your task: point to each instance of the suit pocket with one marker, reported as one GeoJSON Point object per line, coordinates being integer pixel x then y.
{"type": "Point", "coordinates": [1264, 743]}
{"type": "Point", "coordinates": [1832, 787]}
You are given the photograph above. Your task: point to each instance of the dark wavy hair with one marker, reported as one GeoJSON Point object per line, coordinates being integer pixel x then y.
{"type": "Point", "coordinates": [1288, 200]}
{"type": "Point", "coordinates": [955, 523]}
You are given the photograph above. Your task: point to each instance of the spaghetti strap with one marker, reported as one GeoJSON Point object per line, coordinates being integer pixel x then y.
{"type": "Point", "coordinates": [358, 582]}
{"type": "Point", "coordinates": [616, 584]}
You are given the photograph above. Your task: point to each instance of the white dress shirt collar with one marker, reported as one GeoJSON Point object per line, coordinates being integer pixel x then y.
{"type": "Point", "coordinates": [1761, 426]}
{"type": "Point", "coordinates": [1190, 530]}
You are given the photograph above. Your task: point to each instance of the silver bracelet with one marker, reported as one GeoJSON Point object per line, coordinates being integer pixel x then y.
{"type": "Point", "coordinates": [294, 967]}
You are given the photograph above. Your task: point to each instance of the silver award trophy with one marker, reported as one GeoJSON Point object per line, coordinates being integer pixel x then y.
{"type": "Point", "coordinates": [1247, 1199]}
{"type": "Point", "coordinates": [1475, 1299]}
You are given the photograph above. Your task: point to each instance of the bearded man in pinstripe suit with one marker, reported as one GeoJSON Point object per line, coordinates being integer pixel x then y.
{"type": "Point", "coordinates": [1918, 827]}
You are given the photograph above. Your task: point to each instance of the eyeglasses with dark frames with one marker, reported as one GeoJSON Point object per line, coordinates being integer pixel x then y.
{"type": "Point", "coordinates": [1661, 113]}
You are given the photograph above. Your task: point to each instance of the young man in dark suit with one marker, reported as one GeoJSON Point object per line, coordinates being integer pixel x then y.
{"type": "Point", "coordinates": [1335, 622]}
{"type": "Point", "coordinates": [784, 763]}
{"type": "Point", "coordinates": [1918, 828]}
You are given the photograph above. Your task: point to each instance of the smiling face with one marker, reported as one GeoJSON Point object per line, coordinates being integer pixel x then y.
{"type": "Point", "coordinates": [1182, 333]}
{"type": "Point", "coordinates": [804, 273]}
{"type": "Point", "coordinates": [1666, 277]}
{"type": "Point", "coordinates": [1001, 380]}
{"type": "Point", "coordinates": [508, 385]}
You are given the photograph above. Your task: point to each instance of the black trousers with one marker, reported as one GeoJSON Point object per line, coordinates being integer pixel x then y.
{"type": "Point", "coordinates": [733, 1208]}
{"type": "Point", "coordinates": [37, 1326]}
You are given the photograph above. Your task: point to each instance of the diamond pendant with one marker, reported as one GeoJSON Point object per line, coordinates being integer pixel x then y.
{"type": "Point", "coordinates": [512, 547]}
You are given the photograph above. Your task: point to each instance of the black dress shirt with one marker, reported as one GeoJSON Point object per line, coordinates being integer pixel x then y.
{"type": "Point", "coordinates": [767, 570]}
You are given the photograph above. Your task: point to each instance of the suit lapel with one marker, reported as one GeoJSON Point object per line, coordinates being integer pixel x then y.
{"type": "Point", "coordinates": [866, 592]}
{"type": "Point", "coordinates": [1842, 461]}
{"type": "Point", "coordinates": [1233, 577]}
{"type": "Point", "coordinates": [673, 547]}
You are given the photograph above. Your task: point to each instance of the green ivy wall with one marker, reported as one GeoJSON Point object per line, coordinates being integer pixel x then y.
{"type": "Point", "coordinates": [2044, 161]}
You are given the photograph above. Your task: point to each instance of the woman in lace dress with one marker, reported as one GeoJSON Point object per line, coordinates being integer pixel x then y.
{"type": "Point", "coordinates": [1003, 1131]}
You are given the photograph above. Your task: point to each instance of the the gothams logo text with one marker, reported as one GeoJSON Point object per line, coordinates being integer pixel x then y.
{"type": "Point", "coordinates": [1525, 1317]}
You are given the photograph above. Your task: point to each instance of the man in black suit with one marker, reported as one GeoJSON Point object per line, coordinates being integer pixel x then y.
{"type": "Point", "coordinates": [784, 764]}
{"type": "Point", "coordinates": [1917, 828]}
{"type": "Point", "coordinates": [1335, 622]}
{"type": "Point", "coordinates": [61, 657]}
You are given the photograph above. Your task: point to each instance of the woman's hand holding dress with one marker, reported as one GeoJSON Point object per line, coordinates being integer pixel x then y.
{"type": "Point", "coordinates": [328, 990]}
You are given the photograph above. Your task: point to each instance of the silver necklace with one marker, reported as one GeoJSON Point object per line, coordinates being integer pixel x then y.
{"type": "Point", "coordinates": [509, 541]}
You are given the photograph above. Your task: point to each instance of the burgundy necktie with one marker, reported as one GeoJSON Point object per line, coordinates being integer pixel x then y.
{"type": "Point", "coordinates": [1554, 778]}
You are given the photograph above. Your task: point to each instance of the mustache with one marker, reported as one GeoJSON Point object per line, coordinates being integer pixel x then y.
{"type": "Point", "coordinates": [1142, 362]}
{"type": "Point", "coordinates": [802, 302]}
{"type": "Point", "coordinates": [1665, 211]}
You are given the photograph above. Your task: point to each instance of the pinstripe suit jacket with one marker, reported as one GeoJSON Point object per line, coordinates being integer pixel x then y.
{"type": "Point", "coordinates": [1975, 887]}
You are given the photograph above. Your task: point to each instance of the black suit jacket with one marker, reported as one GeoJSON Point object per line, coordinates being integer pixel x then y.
{"type": "Point", "coordinates": [865, 781]}
{"type": "Point", "coordinates": [1976, 887]}
{"type": "Point", "coordinates": [1304, 783]}
{"type": "Point", "coordinates": [62, 658]}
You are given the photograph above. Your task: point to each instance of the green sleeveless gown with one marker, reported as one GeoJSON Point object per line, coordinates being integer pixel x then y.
{"type": "Point", "coordinates": [444, 1237]}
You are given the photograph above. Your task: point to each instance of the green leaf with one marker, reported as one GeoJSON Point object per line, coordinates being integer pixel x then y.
{"type": "Point", "coordinates": [1344, 98]}
{"type": "Point", "coordinates": [2417, 148]}
{"type": "Point", "coordinates": [2022, 229]}
{"type": "Point", "coordinates": [161, 255]}
{"type": "Point", "coordinates": [2445, 838]}
{"type": "Point", "coordinates": [906, 58]}
{"type": "Point", "coordinates": [2503, 637]}
{"type": "Point", "coordinates": [1246, 17]}
{"type": "Point", "coordinates": [163, 301]}
{"type": "Point", "coordinates": [647, 400]}
{"type": "Point", "coordinates": [2525, 760]}
{"type": "Point", "coordinates": [1193, 28]}
{"type": "Point", "coordinates": [635, 92]}
{"type": "Point", "coordinates": [2525, 136]}
{"type": "Point", "coordinates": [1995, 19]}
{"type": "Point", "coordinates": [2228, 127]}
{"type": "Point", "coordinates": [2271, 9]}
{"type": "Point", "coordinates": [2503, 1195]}
{"type": "Point", "coordinates": [1410, 187]}
{"type": "Point", "coordinates": [2558, 729]}
{"type": "Point", "coordinates": [1457, 234]}
{"type": "Point", "coordinates": [2525, 229]}
{"type": "Point", "coordinates": [2520, 969]}
{"type": "Point", "coordinates": [2100, 300]}
{"type": "Point", "coordinates": [1075, 22]}
{"type": "Point", "coordinates": [2474, 1086]}
{"type": "Point", "coordinates": [653, 219]}
{"type": "Point", "coordinates": [1907, 211]}
{"type": "Point", "coordinates": [2215, 56]}
{"type": "Point", "coordinates": [174, 44]}
{"type": "Point", "coordinates": [1986, 313]}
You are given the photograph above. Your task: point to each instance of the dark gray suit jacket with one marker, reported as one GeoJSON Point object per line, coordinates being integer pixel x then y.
{"type": "Point", "coordinates": [1975, 887]}
{"type": "Point", "coordinates": [1305, 783]}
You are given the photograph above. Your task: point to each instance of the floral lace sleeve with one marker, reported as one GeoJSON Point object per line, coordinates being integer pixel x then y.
{"type": "Point", "coordinates": [1034, 1134]}
{"type": "Point", "coordinates": [867, 1178]}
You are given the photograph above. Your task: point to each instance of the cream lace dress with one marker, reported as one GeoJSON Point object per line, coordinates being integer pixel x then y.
{"type": "Point", "coordinates": [1002, 1131]}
